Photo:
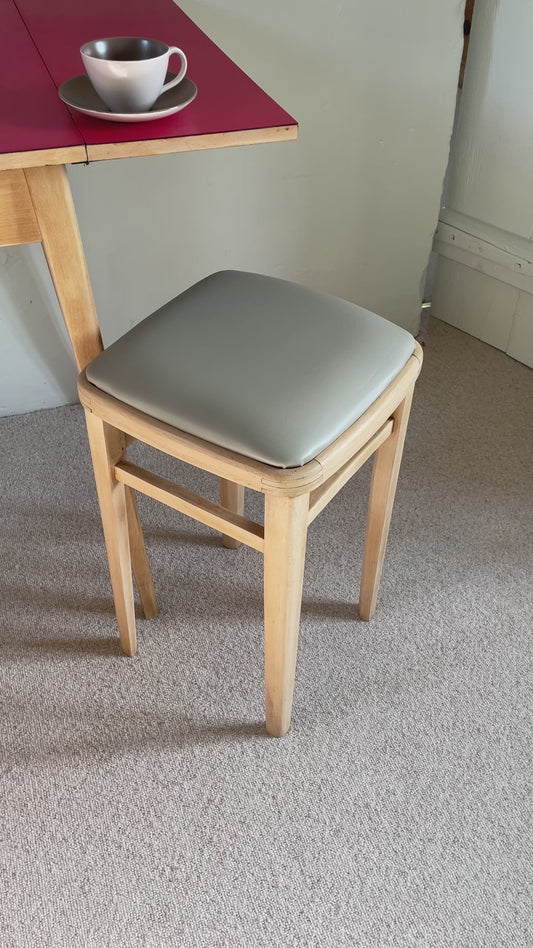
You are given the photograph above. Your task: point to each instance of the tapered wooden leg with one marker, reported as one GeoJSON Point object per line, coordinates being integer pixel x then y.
{"type": "Point", "coordinates": [382, 491]}
{"type": "Point", "coordinates": [285, 540]}
{"type": "Point", "coordinates": [54, 208]}
{"type": "Point", "coordinates": [232, 498]}
{"type": "Point", "coordinates": [139, 559]}
{"type": "Point", "coordinates": [107, 447]}
{"type": "Point", "coordinates": [52, 202]}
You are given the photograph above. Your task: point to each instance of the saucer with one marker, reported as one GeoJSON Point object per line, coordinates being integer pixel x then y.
{"type": "Point", "coordinates": [79, 94]}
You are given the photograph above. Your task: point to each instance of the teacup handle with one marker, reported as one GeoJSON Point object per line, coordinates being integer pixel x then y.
{"type": "Point", "coordinates": [173, 82]}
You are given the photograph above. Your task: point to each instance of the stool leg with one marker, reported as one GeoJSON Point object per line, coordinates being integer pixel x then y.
{"type": "Point", "coordinates": [232, 498]}
{"type": "Point", "coordinates": [285, 540]}
{"type": "Point", "coordinates": [139, 559]}
{"type": "Point", "coordinates": [107, 447]}
{"type": "Point", "coordinates": [385, 472]}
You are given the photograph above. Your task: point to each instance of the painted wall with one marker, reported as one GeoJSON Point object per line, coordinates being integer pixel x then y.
{"type": "Point", "coordinates": [484, 278]}
{"type": "Point", "coordinates": [350, 208]}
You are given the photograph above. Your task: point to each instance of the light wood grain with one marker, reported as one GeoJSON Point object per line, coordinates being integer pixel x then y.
{"type": "Point", "coordinates": [167, 146]}
{"type": "Point", "coordinates": [191, 504]}
{"type": "Point", "coordinates": [231, 497]}
{"type": "Point", "coordinates": [358, 435]}
{"type": "Point", "coordinates": [107, 447]}
{"type": "Point", "coordinates": [285, 541]}
{"type": "Point", "coordinates": [139, 559]}
{"type": "Point", "coordinates": [37, 205]}
{"type": "Point", "coordinates": [18, 223]}
{"type": "Point", "coordinates": [237, 468]}
{"type": "Point", "coordinates": [382, 491]}
{"type": "Point", "coordinates": [321, 496]}
{"type": "Point", "coordinates": [293, 497]}
{"type": "Point", "coordinates": [70, 154]}
{"type": "Point", "coordinates": [56, 216]}
{"type": "Point", "coordinates": [203, 454]}
{"type": "Point", "coordinates": [78, 154]}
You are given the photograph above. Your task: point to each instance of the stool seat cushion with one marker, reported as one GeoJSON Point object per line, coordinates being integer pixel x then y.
{"type": "Point", "coordinates": [262, 366]}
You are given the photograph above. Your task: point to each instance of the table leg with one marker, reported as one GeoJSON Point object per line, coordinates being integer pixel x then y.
{"type": "Point", "coordinates": [54, 208]}
{"type": "Point", "coordinates": [51, 196]}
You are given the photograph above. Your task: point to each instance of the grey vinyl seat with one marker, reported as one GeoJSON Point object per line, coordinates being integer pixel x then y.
{"type": "Point", "coordinates": [255, 364]}
{"type": "Point", "coordinates": [272, 387]}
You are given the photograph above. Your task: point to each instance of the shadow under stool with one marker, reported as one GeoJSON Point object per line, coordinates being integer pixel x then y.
{"type": "Point", "coordinates": [268, 385]}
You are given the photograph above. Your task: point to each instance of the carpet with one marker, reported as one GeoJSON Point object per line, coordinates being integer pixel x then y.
{"type": "Point", "coordinates": [143, 802]}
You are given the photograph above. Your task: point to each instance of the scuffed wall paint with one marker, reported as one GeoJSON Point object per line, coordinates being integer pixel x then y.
{"type": "Point", "coordinates": [485, 238]}
{"type": "Point", "coordinates": [491, 176]}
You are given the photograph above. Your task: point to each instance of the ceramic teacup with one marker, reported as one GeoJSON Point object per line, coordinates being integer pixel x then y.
{"type": "Point", "coordinates": [128, 72]}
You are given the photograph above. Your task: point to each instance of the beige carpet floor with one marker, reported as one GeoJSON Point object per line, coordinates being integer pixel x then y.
{"type": "Point", "coordinates": [142, 802]}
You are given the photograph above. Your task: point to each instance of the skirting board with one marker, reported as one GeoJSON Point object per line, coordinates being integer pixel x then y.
{"type": "Point", "coordinates": [484, 283]}
{"type": "Point", "coordinates": [499, 254]}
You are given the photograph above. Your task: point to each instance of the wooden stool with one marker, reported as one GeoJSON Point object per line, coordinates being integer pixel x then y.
{"type": "Point", "coordinates": [270, 386]}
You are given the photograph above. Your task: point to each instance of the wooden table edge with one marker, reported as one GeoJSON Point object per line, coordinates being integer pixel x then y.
{"type": "Point", "coordinates": [166, 146]}
{"type": "Point", "coordinates": [72, 154]}
{"type": "Point", "coordinates": [69, 154]}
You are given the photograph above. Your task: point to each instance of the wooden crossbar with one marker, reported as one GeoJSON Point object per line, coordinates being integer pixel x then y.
{"type": "Point", "coordinates": [193, 505]}
{"type": "Point", "coordinates": [322, 495]}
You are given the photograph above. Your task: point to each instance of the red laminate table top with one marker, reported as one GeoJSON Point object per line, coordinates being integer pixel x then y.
{"type": "Point", "coordinates": [31, 114]}
{"type": "Point", "coordinates": [44, 53]}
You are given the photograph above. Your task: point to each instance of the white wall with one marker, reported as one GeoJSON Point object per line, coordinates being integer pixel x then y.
{"type": "Point", "coordinates": [349, 208]}
{"type": "Point", "coordinates": [484, 280]}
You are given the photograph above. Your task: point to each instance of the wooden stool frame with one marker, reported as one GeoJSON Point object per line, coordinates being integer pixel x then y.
{"type": "Point", "coordinates": [36, 206]}
{"type": "Point", "coordinates": [293, 498]}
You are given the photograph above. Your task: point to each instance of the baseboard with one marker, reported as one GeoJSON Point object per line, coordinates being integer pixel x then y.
{"type": "Point", "coordinates": [487, 249]}
{"type": "Point", "coordinates": [478, 286]}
